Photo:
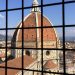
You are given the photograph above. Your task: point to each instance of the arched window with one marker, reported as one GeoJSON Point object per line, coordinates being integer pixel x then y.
{"type": "Point", "coordinates": [27, 52]}
{"type": "Point", "coordinates": [47, 52]}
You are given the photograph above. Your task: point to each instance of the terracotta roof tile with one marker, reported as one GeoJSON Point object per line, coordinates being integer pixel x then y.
{"type": "Point", "coordinates": [17, 64]}
{"type": "Point", "coordinates": [9, 71]}
{"type": "Point", "coordinates": [49, 33]}
{"type": "Point", "coordinates": [2, 55]}
{"type": "Point", "coordinates": [50, 65]}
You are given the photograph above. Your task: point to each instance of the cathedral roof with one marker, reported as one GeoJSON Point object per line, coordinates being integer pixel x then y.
{"type": "Point", "coordinates": [16, 63]}
{"type": "Point", "coordinates": [34, 20]}
{"type": "Point", "coordinates": [50, 65]}
{"type": "Point", "coordinates": [2, 55]}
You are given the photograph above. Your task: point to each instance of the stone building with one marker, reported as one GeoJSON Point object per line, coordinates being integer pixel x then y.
{"type": "Point", "coordinates": [32, 39]}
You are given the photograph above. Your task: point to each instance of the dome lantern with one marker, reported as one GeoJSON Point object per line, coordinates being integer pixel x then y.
{"type": "Point", "coordinates": [35, 9]}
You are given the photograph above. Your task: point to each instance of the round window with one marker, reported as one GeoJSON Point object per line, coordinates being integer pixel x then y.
{"type": "Point", "coordinates": [47, 52]}
{"type": "Point", "coordinates": [28, 53]}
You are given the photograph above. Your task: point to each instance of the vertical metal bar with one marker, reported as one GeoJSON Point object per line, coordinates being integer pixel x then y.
{"type": "Point", "coordinates": [63, 23]}
{"type": "Point", "coordinates": [42, 36]}
{"type": "Point", "coordinates": [22, 36]}
{"type": "Point", "coordinates": [6, 37]}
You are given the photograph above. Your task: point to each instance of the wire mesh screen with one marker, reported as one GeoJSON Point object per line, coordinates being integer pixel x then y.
{"type": "Point", "coordinates": [37, 37]}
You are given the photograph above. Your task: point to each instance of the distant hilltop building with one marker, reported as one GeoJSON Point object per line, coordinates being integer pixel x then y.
{"type": "Point", "coordinates": [32, 39]}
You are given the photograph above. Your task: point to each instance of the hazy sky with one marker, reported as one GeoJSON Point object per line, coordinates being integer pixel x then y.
{"type": "Point", "coordinates": [54, 13]}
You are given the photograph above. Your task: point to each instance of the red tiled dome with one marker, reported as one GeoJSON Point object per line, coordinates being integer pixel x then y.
{"type": "Point", "coordinates": [30, 34]}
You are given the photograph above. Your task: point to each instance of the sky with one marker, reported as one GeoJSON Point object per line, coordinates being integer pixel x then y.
{"type": "Point", "coordinates": [54, 13]}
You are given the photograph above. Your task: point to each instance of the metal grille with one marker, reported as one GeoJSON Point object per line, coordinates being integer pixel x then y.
{"type": "Point", "coordinates": [63, 50]}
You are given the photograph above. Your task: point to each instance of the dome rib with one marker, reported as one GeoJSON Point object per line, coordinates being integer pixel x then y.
{"type": "Point", "coordinates": [30, 21]}
{"type": "Point", "coordinates": [34, 34]}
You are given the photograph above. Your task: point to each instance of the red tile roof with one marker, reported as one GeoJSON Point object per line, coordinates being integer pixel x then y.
{"type": "Point", "coordinates": [50, 65]}
{"type": "Point", "coordinates": [30, 34]}
{"type": "Point", "coordinates": [2, 55]}
{"type": "Point", "coordinates": [9, 71]}
{"type": "Point", "coordinates": [16, 63]}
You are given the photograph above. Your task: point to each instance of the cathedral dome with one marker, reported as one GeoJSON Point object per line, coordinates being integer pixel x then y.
{"type": "Point", "coordinates": [34, 20]}
{"type": "Point", "coordinates": [31, 32]}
